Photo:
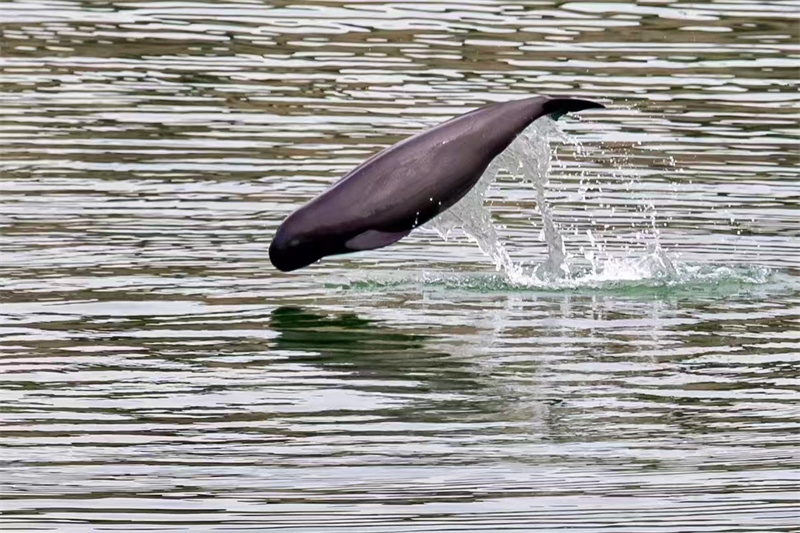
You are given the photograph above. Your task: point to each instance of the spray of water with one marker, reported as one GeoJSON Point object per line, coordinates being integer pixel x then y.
{"type": "Point", "coordinates": [529, 160]}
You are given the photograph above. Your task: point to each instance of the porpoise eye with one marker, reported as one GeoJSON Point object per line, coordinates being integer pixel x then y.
{"type": "Point", "coordinates": [294, 242]}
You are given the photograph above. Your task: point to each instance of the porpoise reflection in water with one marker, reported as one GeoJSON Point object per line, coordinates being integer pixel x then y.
{"type": "Point", "coordinates": [391, 193]}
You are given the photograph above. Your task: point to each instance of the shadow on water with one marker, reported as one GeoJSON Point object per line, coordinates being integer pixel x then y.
{"type": "Point", "coordinates": [447, 381]}
{"type": "Point", "coordinates": [369, 350]}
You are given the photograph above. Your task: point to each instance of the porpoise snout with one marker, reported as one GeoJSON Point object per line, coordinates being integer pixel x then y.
{"type": "Point", "coordinates": [291, 250]}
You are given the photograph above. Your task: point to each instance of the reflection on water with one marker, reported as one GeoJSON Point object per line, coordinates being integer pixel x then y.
{"type": "Point", "coordinates": [157, 373]}
{"type": "Point", "coordinates": [362, 350]}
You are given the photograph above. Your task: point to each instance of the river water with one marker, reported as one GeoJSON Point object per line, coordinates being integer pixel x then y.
{"type": "Point", "coordinates": [159, 374]}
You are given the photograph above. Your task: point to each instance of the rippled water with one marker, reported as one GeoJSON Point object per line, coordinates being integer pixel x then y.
{"type": "Point", "coordinates": [159, 374]}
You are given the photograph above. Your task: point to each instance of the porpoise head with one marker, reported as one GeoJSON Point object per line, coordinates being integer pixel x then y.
{"type": "Point", "coordinates": [300, 242]}
{"type": "Point", "coordinates": [290, 250]}
{"type": "Point", "coordinates": [289, 253]}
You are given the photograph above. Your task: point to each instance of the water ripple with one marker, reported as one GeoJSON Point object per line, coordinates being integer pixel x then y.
{"type": "Point", "coordinates": [158, 373]}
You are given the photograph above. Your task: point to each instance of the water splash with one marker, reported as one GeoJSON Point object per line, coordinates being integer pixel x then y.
{"type": "Point", "coordinates": [529, 159]}
{"type": "Point", "coordinates": [619, 276]}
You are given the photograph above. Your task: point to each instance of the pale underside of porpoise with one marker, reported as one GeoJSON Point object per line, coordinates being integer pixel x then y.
{"type": "Point", "coordinates": [403, 186]}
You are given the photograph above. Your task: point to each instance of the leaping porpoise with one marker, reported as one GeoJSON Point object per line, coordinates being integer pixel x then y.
{"type": "Point", "coordinates": [407, 184]}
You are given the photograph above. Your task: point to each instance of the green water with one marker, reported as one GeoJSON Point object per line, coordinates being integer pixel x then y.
{"type": "Point", "coordinates": [157, 373]}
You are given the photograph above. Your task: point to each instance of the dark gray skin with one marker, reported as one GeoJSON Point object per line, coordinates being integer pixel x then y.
{"type": "Point", "coordinates": [407, 184]}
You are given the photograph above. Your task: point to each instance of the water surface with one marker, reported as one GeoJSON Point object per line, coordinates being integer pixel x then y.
{"type": "Point", "coordinates": [159, 374]}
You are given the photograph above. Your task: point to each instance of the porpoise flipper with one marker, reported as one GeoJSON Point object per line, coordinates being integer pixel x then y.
{"type": "Point", "coordinates": [371, 239]}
